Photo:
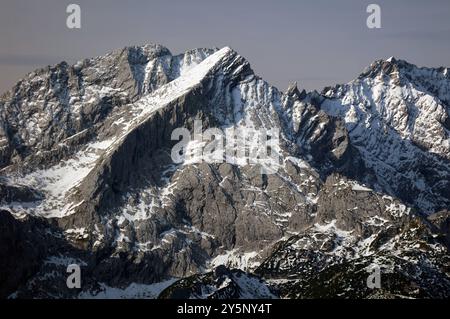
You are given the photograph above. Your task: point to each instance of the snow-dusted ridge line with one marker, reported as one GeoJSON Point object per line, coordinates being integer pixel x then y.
{"type": "Point", "coordinates": [171, 91]}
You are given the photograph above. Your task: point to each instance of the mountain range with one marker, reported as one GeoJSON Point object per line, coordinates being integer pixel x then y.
{"type": "Point", "coordinates": [86, 178]}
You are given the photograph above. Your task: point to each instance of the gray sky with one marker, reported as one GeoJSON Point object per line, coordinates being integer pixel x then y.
{"type": "Point", "coordinates": [316, 43]}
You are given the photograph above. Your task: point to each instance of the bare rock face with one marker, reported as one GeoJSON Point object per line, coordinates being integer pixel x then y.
{"type": "Point", "coordinates": [24, 244]}
{"type": "Point", "coordinates": [441, 220]}
{"type": "Point", "coordinates": [362, 180]}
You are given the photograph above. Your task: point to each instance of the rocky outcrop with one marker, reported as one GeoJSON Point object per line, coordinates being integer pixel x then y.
{"type": "Point", "coordinates": [222, 283]}
{"type": "Point", "coordinates": [24, 244]}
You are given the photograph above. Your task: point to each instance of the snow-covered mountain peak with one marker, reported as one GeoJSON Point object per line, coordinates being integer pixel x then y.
{"type": "Point", "coordinates": [391, 59]}
{"type": "Point", "coordinates": [398, 113]}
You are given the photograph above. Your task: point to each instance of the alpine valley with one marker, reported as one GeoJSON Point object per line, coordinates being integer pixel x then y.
{"type": "Point", "coordinates": [86, 178]}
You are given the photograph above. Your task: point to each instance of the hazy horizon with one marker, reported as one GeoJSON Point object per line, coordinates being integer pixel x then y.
{"type": "Point", "coordinates": [317, 44]}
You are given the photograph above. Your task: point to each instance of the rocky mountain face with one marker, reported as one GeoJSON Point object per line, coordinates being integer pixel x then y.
{"type": "Point", "coordinates": [86, 178]}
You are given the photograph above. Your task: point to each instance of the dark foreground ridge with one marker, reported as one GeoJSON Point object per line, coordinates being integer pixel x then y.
{"type": "Point", "coordinates": [86, 178]}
